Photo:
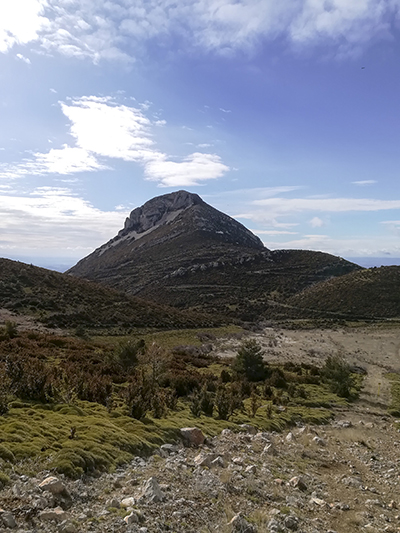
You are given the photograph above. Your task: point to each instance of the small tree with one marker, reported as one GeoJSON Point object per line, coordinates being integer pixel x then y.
{"type": "Point", "coordinates": [249, 361]}
{"type": "Point", "coordinates": [223, 402]}
{"type": "Point", "coordinates": [336, 373]}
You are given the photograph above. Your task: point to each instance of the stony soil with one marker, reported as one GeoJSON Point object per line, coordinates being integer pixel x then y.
{"type": "Point", "coordinates": [343, 477]}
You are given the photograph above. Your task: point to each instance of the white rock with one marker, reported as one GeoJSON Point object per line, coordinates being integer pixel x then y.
{"type": "Point", "coordinates": [318, 501]}
{"type": "Point", "coordinates": [53, 485]}
{"type": "Point", "coordinates": [127, 502]}
{"type": "Point", "coordinates": [204, 459]}
{"type": "Point", "coordinates": [131, 518]}
{"type": "Point", "coordinates": [252, 469]}
{"type": "Point", "coordinates": [219, 461]}
{"type": "Point", "coordinates": [269, 449]}
{"type": "Point", "coordinates": [56, 514]}
{"type": "Point", "coordinates": [289, 437]}
{"type": "Point", "coordinates": [298, 483]}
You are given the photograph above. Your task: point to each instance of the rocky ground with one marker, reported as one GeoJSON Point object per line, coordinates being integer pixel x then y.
{"type": "Point", "coordinates": [343, 477]}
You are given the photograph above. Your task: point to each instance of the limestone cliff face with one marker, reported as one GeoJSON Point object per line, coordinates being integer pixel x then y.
{"type": "Point", "coordinates": [158, 211]}
{"type": "Point", "coordinates": [170, 231]}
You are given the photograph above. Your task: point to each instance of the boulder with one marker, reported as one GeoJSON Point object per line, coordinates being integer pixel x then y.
{"type": "Point", "coordinates": [152, 492]}
{"type": "Point", "coordinates": [131, 518]}
{"type": "Point", "coordinates": [193, 436]}
{"type": "Point", "coordinates": [298, 483]}
{"type": "Point", "coordinates": [57, 515]}
{"type": "Point", "coordinates": [8, 519]}
{"type": "Point", "coordinates": [53, 485]}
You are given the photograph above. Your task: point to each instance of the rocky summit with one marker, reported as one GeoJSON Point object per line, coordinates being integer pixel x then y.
{"type": "Point", "coordinates": [179, 250]}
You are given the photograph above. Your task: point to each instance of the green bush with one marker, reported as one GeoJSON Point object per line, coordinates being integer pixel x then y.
{"type": "Point", "coordinates": [249, 361]}
{"type": "Point", "coordinates": [4, 480]}
{"type": "Point", "coordinates": [127, 352]}
{"type": "Point", "coordinates": [336, 372]}
{"type": "Point", "coordinates": [206, 401]}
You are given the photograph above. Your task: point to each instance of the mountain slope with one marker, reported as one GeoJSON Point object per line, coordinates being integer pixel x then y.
{"type": "Point", "coordinates": [64, 301]}
{"type": "Point", "coordinates": [169, 232]}
{"type": "Point", "coordinates": [370, 293]}
{"type": "Point", "coordinates": [177, 249]}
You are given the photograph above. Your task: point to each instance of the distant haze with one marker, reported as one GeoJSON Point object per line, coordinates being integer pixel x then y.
{"type": "Point", "coordinates": [369, 262]}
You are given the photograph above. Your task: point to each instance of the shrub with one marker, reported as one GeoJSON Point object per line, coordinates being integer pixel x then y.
{"type": "Point", "coordinates": [158, 403]}
{"type": "Point", "coordinates": [225, 376]}
{"type": "Point", "coordinates": [249, 361]}
{"type": "Point", "coordinates": [336, 373]}
{"type": "Point", "coordinates": [278, 379]}
{"type": "Point", "coordinates": [127, 352]}
{"type": "Point", "coordinates": [206, 401]}
{"type": "Point", "coordinates": [138, 397]}
{"type": "Point", "coordinates": [223, 402]}
{"type": "Point", "coordinates": [10, 329]}
{"type": "Point", "coordinates": [255, 402]}
{"type": "Point", "coordinates": [194, 405]}
{"type": "Point", "coordinates": [4, 480]}
{"type": "Point", "coordinates": [4, 392]}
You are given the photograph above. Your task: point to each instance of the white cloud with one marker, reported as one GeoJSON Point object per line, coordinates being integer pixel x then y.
{"type": "Point", "coordinates": [66, 160]}
{"type": "Point", "coordinates": [316, 222]}
{"type": "Point", "coordinates": [21, 21]}
{"type": "Point", "coordinates": [53, 221]}
{"type": "Point", "coordinates": [393, 226]}
{"type": "Point", "coordinates": [111, 30]}
{"type": "Point", "coordinates": [24, 59]}
{"type": "Point", "coordinates": [194, 169]}
{"type": "Point", "coordinates": [344, 247]}
{"type": "Point", "coordinates": [273, 232]}
{"type": "Point", "coordinates": [102, 129]}
{"type": "Point", "coordinates": [364, 182]}
{"type": "Point", "coordinates": [283, 206]}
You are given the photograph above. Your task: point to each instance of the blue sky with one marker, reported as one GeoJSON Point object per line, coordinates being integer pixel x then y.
{"type": "Point", "coordinates": [285, 115]}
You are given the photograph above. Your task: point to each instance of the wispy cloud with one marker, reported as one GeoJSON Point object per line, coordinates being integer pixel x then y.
{"type": "Point", "coordinates": [103, 130]}
{"type": "Point", "coordinates": [66, 223]}
{"type": "Point", "coordinates": [332, 205]}
{"type": "Point", "coordinates": [364, 182]}
{"type": "Point", "coordinates": [345, 247]}
{"type": "Point", "coordinates": [316, 222]}
{"type": "Point", "coordinates": [23, 58]}
{"type": "Point", "coordinates": [111, 30]}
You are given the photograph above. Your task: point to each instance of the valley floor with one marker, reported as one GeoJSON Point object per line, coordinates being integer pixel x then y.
{"type": "Point", "coordinates": [342, 477]}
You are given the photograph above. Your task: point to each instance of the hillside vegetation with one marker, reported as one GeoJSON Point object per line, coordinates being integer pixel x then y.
{"type": "Point", "coordinates": [77, 406]}
{"type": "Point", "coordinates": [371, 293]}
{"type": "Point", "coordinates": [59, 300]}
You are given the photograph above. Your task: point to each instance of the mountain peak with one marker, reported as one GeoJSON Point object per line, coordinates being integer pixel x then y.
{"type": "Point", "coordinates": [158, 211]}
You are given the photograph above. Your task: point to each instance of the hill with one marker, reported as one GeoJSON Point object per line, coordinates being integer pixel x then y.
{"type": "Point", "coordinates": [177, 249]}
{"type": "Point", "coordinates": [59, 300]}
{"type": "Point", "coordinates": [370, 293]}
